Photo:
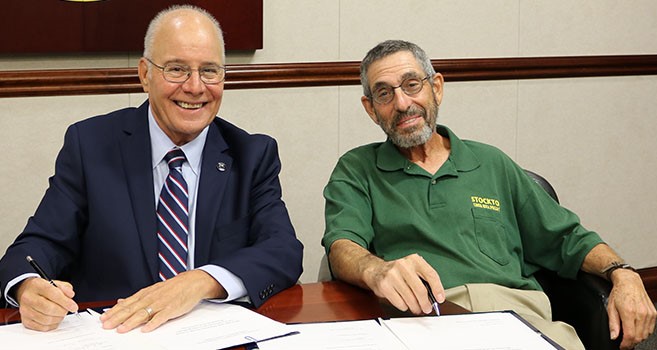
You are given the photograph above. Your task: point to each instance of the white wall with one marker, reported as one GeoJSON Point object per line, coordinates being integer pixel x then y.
{"type": "Point", "coordinates": [592, 137]}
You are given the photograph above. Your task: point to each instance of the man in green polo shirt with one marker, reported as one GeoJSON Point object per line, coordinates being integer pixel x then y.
{"type": "Point", "coordinates": [460, 215]}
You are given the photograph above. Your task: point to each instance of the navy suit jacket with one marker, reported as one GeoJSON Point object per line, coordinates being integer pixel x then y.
{"type": "Point", "coordinates": [96, 223]}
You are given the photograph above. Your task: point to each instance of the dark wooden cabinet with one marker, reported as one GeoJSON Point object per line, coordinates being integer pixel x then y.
{"type": "Point", "coordinates": [57, 26]}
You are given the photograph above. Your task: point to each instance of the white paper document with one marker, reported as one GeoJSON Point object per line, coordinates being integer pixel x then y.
{"type": "Point", "coordinates": [352, 335]}
{"type": "Point", "coordinates": [475, 331]}
{"type": "Point", "coordinates": [209, 326]}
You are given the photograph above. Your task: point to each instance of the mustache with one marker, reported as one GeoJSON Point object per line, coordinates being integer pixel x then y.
{"type": "Point", "coordinates": [413, 110]}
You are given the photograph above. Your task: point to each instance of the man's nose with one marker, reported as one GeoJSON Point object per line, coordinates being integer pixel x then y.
{"type": "Point", "coordinates": [401, 100]}
{"type": "Point", "coordinates": [194, 84]}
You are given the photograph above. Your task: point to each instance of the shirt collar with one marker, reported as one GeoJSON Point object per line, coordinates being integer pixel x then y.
{"type": "Point", "coordinates": [161, 144]}
{"type": "Point", "coordinates": [388, 157]}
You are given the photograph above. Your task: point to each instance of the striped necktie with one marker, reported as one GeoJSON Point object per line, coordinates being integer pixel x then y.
{"type": "Point", "coordinates": [172, 218]}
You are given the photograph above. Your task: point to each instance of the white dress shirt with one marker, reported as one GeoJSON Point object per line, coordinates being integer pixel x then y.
{"type": "Point", "coordinates": [160, 145]}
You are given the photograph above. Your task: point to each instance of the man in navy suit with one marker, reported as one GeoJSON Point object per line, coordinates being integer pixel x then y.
{"type": "Point", "coordinates": [96, 226]}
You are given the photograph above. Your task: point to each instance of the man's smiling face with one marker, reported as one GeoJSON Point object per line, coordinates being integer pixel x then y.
{"type": "Point", "coordinates": [409, 120]}
{"type": "Point", "coordinates": [183, 110]}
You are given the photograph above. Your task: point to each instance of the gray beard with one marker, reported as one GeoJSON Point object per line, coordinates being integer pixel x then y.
{"type": "Point", "coordinates": [416, 139]}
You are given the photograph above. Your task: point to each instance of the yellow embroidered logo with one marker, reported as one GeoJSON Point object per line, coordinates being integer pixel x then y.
{"type": "Point", "coordinates": [486, 203]}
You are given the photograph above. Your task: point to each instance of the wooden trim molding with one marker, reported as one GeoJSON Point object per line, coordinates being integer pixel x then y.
{"type": "Point", "coordinates": [649, 277]}
{"type": "Point", "coordinates": [256, 76]}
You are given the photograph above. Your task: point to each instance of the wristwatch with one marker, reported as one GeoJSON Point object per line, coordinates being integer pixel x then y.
{"type": "Point", "coordinates": [613, 267]}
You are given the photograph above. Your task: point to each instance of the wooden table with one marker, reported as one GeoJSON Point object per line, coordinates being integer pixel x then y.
{"type": "Point", "coordinates": [311, 302]}
{"type": "Point", "coordinates": [333, 301]}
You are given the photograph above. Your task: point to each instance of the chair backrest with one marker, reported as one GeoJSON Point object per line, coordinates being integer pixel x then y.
{"type": "Point", "coordinates": [544, 183]}
{"type": "Point", "coordinates": [581, 302]}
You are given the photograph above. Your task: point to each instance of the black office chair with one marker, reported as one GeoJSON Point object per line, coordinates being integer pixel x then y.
{"type": "Point", "coordinates": [582, 302]}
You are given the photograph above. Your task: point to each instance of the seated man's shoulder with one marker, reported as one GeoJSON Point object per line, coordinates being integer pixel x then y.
{"type": "Point", "coordinates": [364, 154]}
{"type": "Point", "coordinates": [104, 120]}
{"type": "Point", "coordinates": [478, 145]}
{"type": "Point", "coordinates": [484, 149]}
{"type": "Point", "coordinates": [364, 151]}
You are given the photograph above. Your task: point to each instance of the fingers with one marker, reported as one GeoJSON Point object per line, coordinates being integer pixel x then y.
{"type": "Point", "coordinates": [652, 319]}
{"type": "Point", "coordinates": [645, 320]}
{"type": "Point", "coordinates": [614, 320]}
{"type": "Point", "coordinates": [139, 317]}
{"type": "Point", "coordinates": [638, 324]}
{"type": "Point", "coordinates": [154, 305]}
{"type": "Point", "coordinates": [629, 335]}
{"type": "Point", "coordinates": [67, 290]}
{"type": "Point", "coordinates": [130, 313]}
{"type": "Point", "coordinates": [431, 276]}
{"type": "Point", "coordinates": [157, 320]}
{"type": "Point", "coordinates": [42, 305]}
{"type": "Point", "coordinates": [393, 289]}
{"type": "Point", "coordinates": [400, 282]}
{"type": "Point", "coordinates": [32, 318]}
{"type": "Point", "coordinates": [630, 309]}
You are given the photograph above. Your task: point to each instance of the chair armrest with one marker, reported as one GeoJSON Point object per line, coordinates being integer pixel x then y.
{"type": "Point", "coordinates": [582, 303]}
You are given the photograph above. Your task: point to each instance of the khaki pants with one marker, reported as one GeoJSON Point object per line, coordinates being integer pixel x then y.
{"type": "Point", "coordinates": [533, 306]}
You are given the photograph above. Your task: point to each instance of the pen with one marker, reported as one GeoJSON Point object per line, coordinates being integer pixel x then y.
{"type": "Point", "coordinates": [42, 273]}
{"type": "Point", "coordinates": [434, 303]}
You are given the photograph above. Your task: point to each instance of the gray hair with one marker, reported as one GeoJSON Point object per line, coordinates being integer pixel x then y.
{"type": "Point", "coordinates": [157, 21]}
{"type": "Point", "coordinates": [390, 47]}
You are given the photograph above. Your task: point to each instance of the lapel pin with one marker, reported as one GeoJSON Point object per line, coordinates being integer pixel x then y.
{"type": "Point", "coordinates": [221, 166]}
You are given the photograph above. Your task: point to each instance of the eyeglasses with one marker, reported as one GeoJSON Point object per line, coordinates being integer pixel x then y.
{"type": "Point", "coordinates": [410, 86]}
{"type": "Point", "coordinates": [180, 73]}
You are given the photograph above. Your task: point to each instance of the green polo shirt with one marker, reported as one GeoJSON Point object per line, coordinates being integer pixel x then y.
{"type": "Point", "coordinates": [479, 219]}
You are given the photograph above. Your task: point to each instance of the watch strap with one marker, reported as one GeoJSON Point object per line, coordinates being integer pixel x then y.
{"type": "Point", "coordinates": [613, 267]}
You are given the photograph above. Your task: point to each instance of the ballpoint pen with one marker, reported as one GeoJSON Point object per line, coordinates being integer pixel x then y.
{"type": "Point", "coordinates": [42, 273]}
{"type": "Point", "coordinates": [434, 303]}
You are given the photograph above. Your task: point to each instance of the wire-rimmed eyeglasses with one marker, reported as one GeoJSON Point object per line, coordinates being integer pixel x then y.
{"type": "Point", "coordinates": [180, 73]}
{"type": "Point", "coordinates": [410, 86]}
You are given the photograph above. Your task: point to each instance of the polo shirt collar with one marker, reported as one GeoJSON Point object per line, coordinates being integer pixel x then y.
{"type": "Point", "coordinates": [461, 158]}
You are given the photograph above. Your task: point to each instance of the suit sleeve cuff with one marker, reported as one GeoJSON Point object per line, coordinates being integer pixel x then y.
{"type": "Point", "coordinates": [11, 284]}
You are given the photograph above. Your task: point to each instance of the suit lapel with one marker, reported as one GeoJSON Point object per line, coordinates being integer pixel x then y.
{"type": "Point", "coordinates": [136, 153]}
{"type": "Point", "coordinates": [215, 171]}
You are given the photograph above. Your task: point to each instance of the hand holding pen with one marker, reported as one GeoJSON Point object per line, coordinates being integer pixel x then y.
{"type": "Point", "coordinates": [37, 268]}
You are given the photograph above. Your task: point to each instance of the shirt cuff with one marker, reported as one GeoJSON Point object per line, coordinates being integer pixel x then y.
{"type": "Point", "coordinates": [14, 282]}
{"type": "Point", "coordinates": [233, 285]}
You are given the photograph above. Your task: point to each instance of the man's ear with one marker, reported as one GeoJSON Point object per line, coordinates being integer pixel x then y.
{"type": "Point", "coordinates": [369, 108]}
{"type": "Point", "coordinates": [438, 83]}
{"type": "Point", "coordinates": [142, 70]}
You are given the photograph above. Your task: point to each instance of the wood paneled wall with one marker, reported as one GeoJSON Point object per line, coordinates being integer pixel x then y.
{"type": "Point", "coordinates": [255, 76]}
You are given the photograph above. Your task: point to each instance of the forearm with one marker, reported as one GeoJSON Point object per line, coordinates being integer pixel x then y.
{"type": "Point", "coordinates": [599, 258]}
{"type": "Point", "coordinates": [350, 262]}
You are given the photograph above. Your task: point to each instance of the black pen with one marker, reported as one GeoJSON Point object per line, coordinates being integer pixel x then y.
{"type": "Point", "coordinates": [42, 273]}
{"type": "Point", "coordinates": [434, 303]}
